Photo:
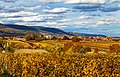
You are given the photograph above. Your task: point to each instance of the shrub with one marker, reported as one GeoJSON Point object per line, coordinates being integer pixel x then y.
{"type": "Point", "coordinates": [5, 74]}
{"type": "Point", "coordinates": [54, 38]}
{"type": "Point", "coordinates": [96, 50]}
{"type": "Point", "coordinates": [76, 47]}
{"type": "Point", "coordinates": [115, 48]}
{"type": "Point", "coordinates": [7, 47]}
{"type": "Point", "coordinates": [82, 50]}
{"type": "Point", "coordinates": [87, 49]}
{"type": "Point", "coordinates": [68, 45]}
{"type": "Point", "coordinates": [1, 47]}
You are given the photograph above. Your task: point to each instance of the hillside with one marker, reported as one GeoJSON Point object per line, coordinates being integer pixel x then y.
{"type": "Point", "coordinates": [15, 30]}
{"type": "Point", "coordinates": [52, 31]}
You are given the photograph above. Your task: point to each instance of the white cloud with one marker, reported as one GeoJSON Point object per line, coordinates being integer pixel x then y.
{"type": "Point", "coordinates": [84, 17]}
{"type": "Point", "coordinates": [22, 8]}
{"type": "Point", "coordinates": [50, 16]}
{"type": "Point", "coordinates": [51, 0]}
{"type": "Point", "coordinates": [108, 21]}
{"type": "Point", "coordinates": [57, 10]}
{"type": "Point", "coordinates": [22, 13]}
{"type": "Point", "coordinates": [85, 1]}
{"type": "Point", "coordinates": [64, 20]}
{"type": "Point", "coordinates": [103, 23]}
{"type": "Point", "coordinates": [31, 18]}
{"type": "Point", "coordinates": [90, 1]}
{"type": "Point", "coordinates": [48, 24]}
{"type": "Point", "coordinates": [114, 0]}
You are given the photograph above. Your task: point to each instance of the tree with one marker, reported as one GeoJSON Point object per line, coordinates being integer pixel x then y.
{"type": "Point", "coordinates": [54, 38]}
{"type": "Point", "coordinates": [28, 37]}
{"type": "Point", "coordinates": [31, 37]}
{"type": "Point", "coordinates": [75, 39]}
{"type": "Point", "coordinates": [65, 38]}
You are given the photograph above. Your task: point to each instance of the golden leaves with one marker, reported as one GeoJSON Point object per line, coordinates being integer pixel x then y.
{"type": "Point", "coordinates": [69, 65]}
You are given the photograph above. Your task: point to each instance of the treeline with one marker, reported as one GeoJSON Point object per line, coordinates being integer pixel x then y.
{"type": "Point", "coordinates": [36, 37]}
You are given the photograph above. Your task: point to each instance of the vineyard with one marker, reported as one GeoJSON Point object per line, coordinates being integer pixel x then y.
{"type": "Point", "coordinates": [59, 59]}
{"type": "Point", "coordinates": [67, 65]}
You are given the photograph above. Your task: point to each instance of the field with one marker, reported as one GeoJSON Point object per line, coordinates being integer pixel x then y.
{"type": "Point", "coordinates": [60, 58]}
{"type": "Point", "coordinates": [102, 45]}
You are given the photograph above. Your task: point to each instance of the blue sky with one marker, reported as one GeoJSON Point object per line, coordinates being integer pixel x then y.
{"type": "Point", "coordinates": [83, 16]}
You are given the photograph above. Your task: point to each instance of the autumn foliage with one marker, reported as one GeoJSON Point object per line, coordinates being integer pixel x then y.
{"type": "Point", "coordinates": [69, 65]}
{"type": "Point", "coordinates": [115, 48]}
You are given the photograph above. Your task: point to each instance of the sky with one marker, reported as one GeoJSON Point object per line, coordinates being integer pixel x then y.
{"type": "Point", "coordinates": [83, 16]}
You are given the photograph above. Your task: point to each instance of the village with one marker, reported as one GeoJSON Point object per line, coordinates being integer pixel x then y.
{"type": "Point", "coordinates": [63, 37]}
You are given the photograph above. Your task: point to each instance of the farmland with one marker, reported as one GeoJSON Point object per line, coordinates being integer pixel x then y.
{"type": "Point", "coordinates": [60, 58]}
{"type": "Point", "coordinates": [103, 45]}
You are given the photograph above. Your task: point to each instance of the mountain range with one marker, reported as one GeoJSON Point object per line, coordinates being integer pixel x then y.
{"type": "Point", "coordinates": [21, 30]}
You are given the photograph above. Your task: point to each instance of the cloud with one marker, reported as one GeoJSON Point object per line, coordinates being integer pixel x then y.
{"type": "Point", "coordinates": [84, 17]}
{"type": "Point", "coordinates": [9, 0]}
{"type": "Point", "coordinates": [20, 8]}
{"type": "Point", "coordinates": [107, 21]}
{"type": "Point", "coordinates": [64, 20]}
{"type": "Point", "coordinates": [48, 24]}
{"type": "Point", "coordinates": [88, 7]}
{"type": "Point", "coordinates": [103, 23]}
{"type": "Point", "coordinates": [28, 19]}
{"type": "Point", "coordinates": [90, 1]}
{"type": "Point", "coordinates": [57, 10]}
{"type": "Point", "coordinates": [51, 0]}
{"type": "Point", "coordinates": [85, 1]}
{"type": "Point", "coordinates": [18, 14]}
{"type": "Point", "coordinates": [111, 8]}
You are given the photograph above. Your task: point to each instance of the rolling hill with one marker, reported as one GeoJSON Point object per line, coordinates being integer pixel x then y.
{"type": "Point", "coordinates": [18, 30]}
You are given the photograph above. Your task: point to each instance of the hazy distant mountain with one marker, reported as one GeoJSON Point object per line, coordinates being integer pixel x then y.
{"type": "Point", "coordinates": [84, 34]}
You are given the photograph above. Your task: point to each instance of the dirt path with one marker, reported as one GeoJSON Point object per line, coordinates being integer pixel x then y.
{"type": "Point", "coordinates": [30, 51]}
